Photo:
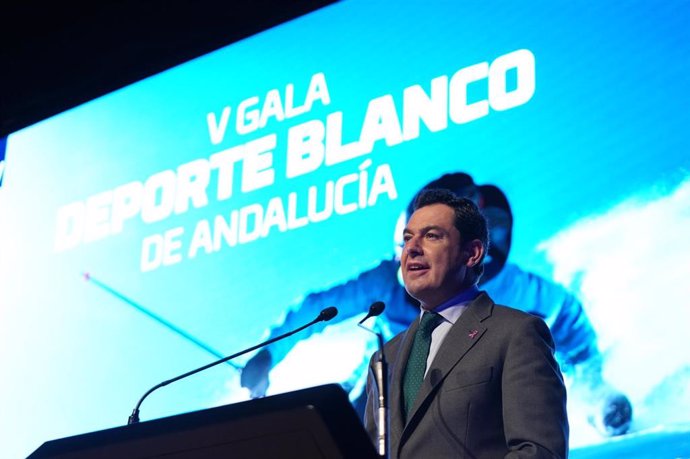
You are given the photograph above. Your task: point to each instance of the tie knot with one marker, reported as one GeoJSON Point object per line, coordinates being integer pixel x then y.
{"type": "Point", "coordinates": [430, 320]}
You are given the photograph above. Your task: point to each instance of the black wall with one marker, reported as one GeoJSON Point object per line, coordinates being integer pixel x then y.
{"type": "Point", "coordinates": [57, 55]}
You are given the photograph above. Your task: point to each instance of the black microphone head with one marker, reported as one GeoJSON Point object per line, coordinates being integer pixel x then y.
{"type": "Point", "coordinates": [328, 313]}
{"type": "Point", "coordinates": [376, 308]}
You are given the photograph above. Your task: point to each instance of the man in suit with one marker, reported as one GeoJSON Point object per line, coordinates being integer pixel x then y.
{"type": "Point", "coordinates": [470, 378]}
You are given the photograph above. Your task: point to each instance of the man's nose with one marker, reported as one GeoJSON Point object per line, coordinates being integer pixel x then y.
{"type": "Point", "coordinates": [413, 247]}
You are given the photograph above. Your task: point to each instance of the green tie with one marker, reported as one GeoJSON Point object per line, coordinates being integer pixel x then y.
{"type": "Point", "coordinates": [416, 363]}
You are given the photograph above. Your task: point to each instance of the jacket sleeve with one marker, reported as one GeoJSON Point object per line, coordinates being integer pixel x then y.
{"type": "Point", "coordinates": [534, 397]}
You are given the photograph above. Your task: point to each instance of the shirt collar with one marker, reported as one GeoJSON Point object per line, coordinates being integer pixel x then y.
{"type": "Point", "coordinates": [452, 309]}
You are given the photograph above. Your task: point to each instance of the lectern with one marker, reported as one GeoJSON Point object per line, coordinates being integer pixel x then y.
{"type": "Point", "coordinates": [312, 423]}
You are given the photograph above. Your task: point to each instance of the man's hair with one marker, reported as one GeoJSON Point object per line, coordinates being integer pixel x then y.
{"type": "Point", "coordinates": [468, 218]}
{"type": "Point", "coordinates": [458, 182]}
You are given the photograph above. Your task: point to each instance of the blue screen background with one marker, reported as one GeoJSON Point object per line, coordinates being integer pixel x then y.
{"type": "Point", "coordinates": [595, 165]}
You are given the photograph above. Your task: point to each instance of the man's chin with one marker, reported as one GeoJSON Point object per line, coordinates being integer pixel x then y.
{"type": "Point", "coordinates": [419, 292]}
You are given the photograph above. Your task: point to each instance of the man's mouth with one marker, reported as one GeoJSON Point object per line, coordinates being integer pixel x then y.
{"type": "Point", "coordinates": [416, 267]}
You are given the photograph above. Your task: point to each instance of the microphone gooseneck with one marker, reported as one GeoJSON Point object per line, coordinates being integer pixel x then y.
{"type": "Point", "coordinates": [380, 368]}
{"type": "Point", "coordinates": [324, 316]}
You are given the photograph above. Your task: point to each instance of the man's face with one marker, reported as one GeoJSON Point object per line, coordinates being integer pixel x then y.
{"type": "Point", "coordinates": [433, 263]}
{"type": "Point", "coordinates": [499, 221]}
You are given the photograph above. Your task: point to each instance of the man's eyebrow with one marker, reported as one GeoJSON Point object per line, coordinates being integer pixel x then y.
{"type": "Point", "coordinates": [428, 228]}
{"type": "Point", "coordinates": [425, 229]}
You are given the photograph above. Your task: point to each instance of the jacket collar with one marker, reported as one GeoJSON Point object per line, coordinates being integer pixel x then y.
{"type": "Point", "coordinates": [464, 335]}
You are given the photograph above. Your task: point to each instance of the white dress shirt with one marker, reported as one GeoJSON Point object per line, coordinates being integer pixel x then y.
{"type": "Point", "coordinates": [451, 311]}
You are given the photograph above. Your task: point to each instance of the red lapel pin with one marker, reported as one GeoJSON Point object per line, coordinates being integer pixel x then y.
{"type": "Point", "coordinates": [473, 333]}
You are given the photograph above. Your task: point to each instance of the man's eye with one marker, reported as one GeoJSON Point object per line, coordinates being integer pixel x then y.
{"type": "Point", "coordinates": [432, 236]}
{"type": "Point", "coordinates": [406, 238]}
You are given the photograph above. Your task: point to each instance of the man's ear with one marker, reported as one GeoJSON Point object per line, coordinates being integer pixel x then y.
{"type": "Point", "coordinates": [475, 252]}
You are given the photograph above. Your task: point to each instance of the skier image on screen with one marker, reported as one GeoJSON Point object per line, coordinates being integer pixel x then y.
{"type": "Point", "coordinates": [576, 341]}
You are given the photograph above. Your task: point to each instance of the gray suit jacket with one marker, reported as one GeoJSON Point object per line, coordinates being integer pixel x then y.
{"type": "Point", "coordinates": [493, 390]}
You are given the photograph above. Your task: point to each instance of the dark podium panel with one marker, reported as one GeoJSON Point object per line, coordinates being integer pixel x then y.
{"type": "Point", "coordinates": [312, 423]}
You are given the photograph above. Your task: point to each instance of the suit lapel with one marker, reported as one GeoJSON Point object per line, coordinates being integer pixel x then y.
{"type": "Point", "coordinates": [464, 335]}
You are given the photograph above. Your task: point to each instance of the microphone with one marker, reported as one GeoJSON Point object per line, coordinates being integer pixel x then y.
{"type": "Point", "coordinates": [324, 316]}
{"type": "Point", "coordinates": [381, 377]}
{"type": "Point", "coordinates": [375, 309]}
{"type": "Point", "coordinates": [327, 314]}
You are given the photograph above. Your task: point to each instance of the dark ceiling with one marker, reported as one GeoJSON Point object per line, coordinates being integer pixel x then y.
{"type": "Point", "coordinates": [56, 55]}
